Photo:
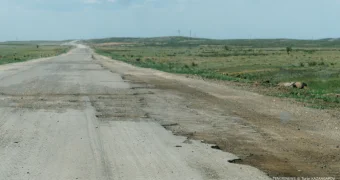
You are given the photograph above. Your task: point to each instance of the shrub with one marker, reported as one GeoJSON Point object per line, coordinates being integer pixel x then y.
{"type": "Point", "coordinates": [289, 49]}
{"type": "Point", "coordinates": [194, 64]}
{"type": "Point", "coordinates": [313, 63]}
{"type": "Point", "coordinates": [227, 48]}
{"type": "Point", "coordinates": [322, 63]}
{"type": "Point", "coordinates": [171, 65]}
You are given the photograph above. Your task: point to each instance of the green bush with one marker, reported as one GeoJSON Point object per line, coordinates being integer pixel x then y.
{"type": "Point", "coordinates": [322, 63]}
{"type": "Point", "coordinates": [289, 49]}
{"type": "Point", "coordinates": [313, 63]}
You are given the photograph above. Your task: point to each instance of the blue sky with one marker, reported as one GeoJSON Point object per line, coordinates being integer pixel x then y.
{"type": "Point", "coordinates": [222, 19]}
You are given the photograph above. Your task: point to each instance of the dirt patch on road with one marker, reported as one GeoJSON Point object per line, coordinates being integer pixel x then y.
{"type": "Point", "coordinates": [276, 135]}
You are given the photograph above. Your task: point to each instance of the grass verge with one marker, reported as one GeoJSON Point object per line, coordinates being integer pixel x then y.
{"type": "Point", "coordinates": [19, 52]}
{"type": "Point", "coordinates": [265, 67]}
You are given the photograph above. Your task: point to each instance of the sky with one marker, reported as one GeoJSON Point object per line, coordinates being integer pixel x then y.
{"type": "Point", "coordinates": [218, 19]}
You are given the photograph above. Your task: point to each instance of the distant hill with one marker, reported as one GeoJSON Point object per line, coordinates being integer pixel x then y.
{"type": "Point", "coordinates": [254, 43]}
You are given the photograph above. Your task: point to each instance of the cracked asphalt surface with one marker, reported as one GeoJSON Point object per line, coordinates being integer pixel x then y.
{"type": "Point", "coordinates": [70, 117]}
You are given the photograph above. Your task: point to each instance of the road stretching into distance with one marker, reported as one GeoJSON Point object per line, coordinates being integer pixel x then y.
{"type": "Point", "coordinates": [69, 117]}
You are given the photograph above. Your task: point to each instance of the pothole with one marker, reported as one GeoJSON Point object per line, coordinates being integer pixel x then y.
{"type": "Point", "coordinates": [216, 147]}
{"type": "Point", "coordinates": [169, 125]}
{"type": "Point", "coordinates": [238, 160]}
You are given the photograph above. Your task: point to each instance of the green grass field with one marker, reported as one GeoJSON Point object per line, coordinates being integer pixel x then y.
{"type": "Point", "coordinates": [11, 52]}
{"type": "Point", "coordinates": [264, 62]}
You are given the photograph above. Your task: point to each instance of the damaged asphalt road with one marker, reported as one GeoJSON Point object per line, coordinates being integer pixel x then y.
{"type": "Point", "coordinates": [71, 117]}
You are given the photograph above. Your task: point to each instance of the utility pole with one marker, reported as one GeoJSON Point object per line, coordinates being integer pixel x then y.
{"type": "Point", "coordinates": [190, 33]}
{"type": "Point", "coordinates": [179, 32]}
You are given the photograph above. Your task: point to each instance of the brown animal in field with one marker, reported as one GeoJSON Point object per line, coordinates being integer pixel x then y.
{"type": "Point", "coordinates": [286, 84]}
{"type": "Point", "coordinates": [299, 85]}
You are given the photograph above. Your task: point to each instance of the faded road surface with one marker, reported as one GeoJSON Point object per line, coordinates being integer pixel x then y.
{"type": "Point", "coordinates": [69, 117]}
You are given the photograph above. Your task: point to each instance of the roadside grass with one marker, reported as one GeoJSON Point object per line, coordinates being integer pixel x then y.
{"type": "Point", "coordinates": [12, 52]}
{"type": "Point", "coordinates": [168, 66]}
{"type": "Point", "coordinates": [242, 62]}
